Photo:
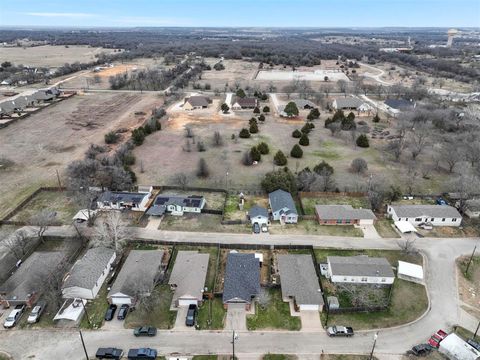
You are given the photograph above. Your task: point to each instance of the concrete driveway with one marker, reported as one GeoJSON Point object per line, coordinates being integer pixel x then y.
{"type": "Point", "coordinates": [113, 324]}
{"type": "Point", "coordinates": [154, 222]}
{"type": "Point", "coordinates": [180, 320]}
{"type": "Point", "coordinates": [236, 317]}
{"type": "Point", "coordinates": [310, 320]}
{"type": "Point", "coordinates": [369, 232]}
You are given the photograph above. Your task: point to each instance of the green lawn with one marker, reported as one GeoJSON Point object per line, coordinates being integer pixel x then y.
{"type": "Point", "coordinates": [356, 202]}
{"type": "Point", "coordinates": [278, 357]}
{"type": "Point", "coordinates": [312, 227]}
{"type": "Point", "coordinates": [96, 310]}
{"type": "Point", "coordinates": [200, 223]}
{"type": "Point", "coordinates": [218, 314]}
{"type": "Point", "coordinates": [159, 316]}
{"type": "Point", "coordinates": [409, 301]}
{"type": "Point", "coordinates": [275, 316]}
{"type": "Point", "coordinates": [384, 228]}
{"type": "Point", "coordinates": [205, 357]}
{"type": "Point", "coordinates": [464, 333]}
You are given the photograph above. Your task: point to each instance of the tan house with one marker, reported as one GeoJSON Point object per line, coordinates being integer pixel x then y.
{"type": "Point", "coordinates": [196, 102]}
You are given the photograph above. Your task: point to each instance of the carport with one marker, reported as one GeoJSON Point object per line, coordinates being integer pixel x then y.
{"type": "Point", "coordinates": [405, 227]}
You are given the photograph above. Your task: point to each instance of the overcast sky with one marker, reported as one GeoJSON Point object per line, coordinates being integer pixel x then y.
{"type": "Point", "coordinates": [268, 13]}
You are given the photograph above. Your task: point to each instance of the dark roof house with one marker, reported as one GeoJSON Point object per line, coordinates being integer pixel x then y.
{"type": "Point", "coordinates": [245, 103]}
{"type": "Point", "coordinates": [176, 204]}
{"type": "Point", "coordinates": [343, 214]}
{"type": "Point", "coordinates": [197, 101]}
{"type": "Point", "coordinates": [359, 266]}
{"type": "Point", "coordinates": [242, 278]}
{"type": "Point", "coordinates": [257, 211]}
{"type": "Point", "coordinates": [283, 206]}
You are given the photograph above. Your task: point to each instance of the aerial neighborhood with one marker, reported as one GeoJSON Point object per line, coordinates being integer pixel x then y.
{"type": "Point", "coordinates": [230, 193]}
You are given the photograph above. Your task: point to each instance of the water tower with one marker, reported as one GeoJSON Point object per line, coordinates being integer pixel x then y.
{"type": "Point", "coordinates": [451, 34]}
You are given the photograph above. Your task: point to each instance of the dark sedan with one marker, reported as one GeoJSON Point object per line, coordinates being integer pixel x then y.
{"type": "Point", "coordinates": [122, 312]}
{"type": "Point", "coordinates": [145, 331]}
{"type": "Point", "coordinates": [110, 312]}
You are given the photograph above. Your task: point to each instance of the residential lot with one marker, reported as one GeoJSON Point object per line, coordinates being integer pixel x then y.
{"type": "Point", "coordinates": [469, 284]}
{"type": "Point", "coordinates": [52, 55]}
{"type": "Point", "coordinates": [309, 202]}
{"type": "Point", "coordinates": [200, 222]}
{"type": "Point", "coordinates": [59, 134]}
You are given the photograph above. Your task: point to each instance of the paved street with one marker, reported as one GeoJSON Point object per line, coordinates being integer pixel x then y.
{"type": "Point", "coordinates": [440, 255]}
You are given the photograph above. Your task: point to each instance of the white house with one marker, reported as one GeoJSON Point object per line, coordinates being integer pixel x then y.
{"type": "Point", "coordinates": [87, 275]}
{"type": "Point", "coordinates": [138, 277]}
{"type": "Point", "coordinates": [456, 348]}
{"type": "Point", "coordinates": [283, 207]}
{"type": "Point", "coordinates": [177, 205]}
{"type": "Point", "coordinates": [359, 269]}
{"type": "Point", "coordinates": [437, 215]}
{"type": "Point", "coordinates": [119, 200]}
{"type": "Point", "coordinates": [258, 215]}
{"type": "Point", "coordinates": [188, 278]}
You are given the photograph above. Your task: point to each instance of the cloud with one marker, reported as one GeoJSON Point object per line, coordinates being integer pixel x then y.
{"type": "Point", "coordinates": [60, 15]}
{"type": "Point", "coordinates": [151, 20]}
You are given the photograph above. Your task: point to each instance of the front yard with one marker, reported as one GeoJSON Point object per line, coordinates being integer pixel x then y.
{"type": "Point", "coordinates": [469, 228]}
{"type": "Point", "coordinates": [157, 311]}
{"type": "Point", "coordinates": [275, 315]}
{"type": "Point", "coordinates": [385, 229]}
{"type": "Point", "coordinates": [96, 310]}
{"type": "Point", "coordinates": [469, 284]}
{"type": "Point", "coordinates": [310, 202]}
{"type": "Point", "coordinates": [232, 211]}
{"type": "Point", "coordinates": [215, 308]}
{"type": "Point", "coordinates": [200, 223]}
{"type": "Point", "coordinates": [312, 227]}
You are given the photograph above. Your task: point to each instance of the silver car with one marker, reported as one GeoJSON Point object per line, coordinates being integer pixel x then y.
{"type": "Point", "coordinates": [35, 314]}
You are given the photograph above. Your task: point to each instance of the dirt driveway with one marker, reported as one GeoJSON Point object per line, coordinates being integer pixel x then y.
{"type": "Point", "coordinates": [236, 317]}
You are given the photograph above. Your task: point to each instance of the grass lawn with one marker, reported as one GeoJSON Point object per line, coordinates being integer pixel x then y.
{"type": "Point", "coordinates": [345, 357]}
{"type": "Point", "coordinates": [96, 310]}
{"type": "Point", "coordinates": [205, 357]}
{"type": "Point", "coordinates": [356, 202]}
{"type": "Point", "coordinates": [312, 227]}
{"type": "Point", "coordinates": [232, 212]}
{"type": "Point", "coordinates": [464, 333]}
{"type": "Point", "coordinates": [218, 314]}
{"type": "Point", "coordinates": [278, 357]}
{"type": "Point", "coordinates": [391, 255]}
{"type": "Point", "coordinates": [201, 223]}
{"type": "Point", "coordinates": [468, 229]}
{"type": "Point", "coordinates": [160, 316]}
{"type": "Point", "coordinates": [469, 284]}
{"type": "Point", "coordinates": [385, 229]}
{"type": "Point", "coordinates": [275, 316]}
{"type": "Point", "coordinates": [64, 206]}
{"type": "Point", "coordinates": [409, 301]}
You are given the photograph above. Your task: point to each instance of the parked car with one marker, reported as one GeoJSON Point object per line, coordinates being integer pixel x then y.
{"type": "Point", "coordinates": [110, 312]}
{"type": "Point", "coordinates": [474, 344]}
{"type": "Point", "coordinates": [426, 226]}
{"type": "Point", "coordinates": [14, 316]}
{"type": "Point", "coordinates": [109, 353]}
{"type": "Point", "coordinates": [191, 315]}
{"type": "Point", "coordinates": [122, 312]}
{"type": "Point", "coordinates": [264, 228]}
{"type": "Point", "coordinates": [407, 197]}
{"type": "Point", "coordinates": [420, 350]}
{"type": "Point", "coordinates": [142, 353]}
{"type": "Point", "coordinates": [441, 201]}
{"type": "Point", "coordinates": [145, 331]}
{"type": "Point", "coordinates": [437, 338]}
{"type": "Point", "coordinates": [256, 228]}
{"type": "Point", "coordinates": [36, 313]}
{"type": "Point", "coordinates": [340, 331]}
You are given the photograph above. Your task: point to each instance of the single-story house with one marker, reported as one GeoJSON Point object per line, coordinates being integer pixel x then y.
{"type": "Point", "coordinates": [299, 282]}
{"type": "Point", "coordinates": [242, 279]}
{"type": "Point", "coordinates": [7, 108]}
{"type": "Point", "coordinates": [87, 275]}
{"type": "Point", "coordinates": [138, 277]}
{"type": "Point", "coordinates": [44, 95]}
{"type": "Point", "coordinates": [437, 215]}
{"type": "Point", "coordinates": [410, 272]}
{"type": "Point", "coordinates": [455, 348]}
{"type": "Point", "coordinates": [119, 200]}
{"type": "Point", "coordinates": [188, 278]}
{"type": "Point", "coordinates": [398, 105]}
{"type": "Point", "coordinates": [244, 103]}
{"type": "Point", "coordinates": [283, 207]}
{"type": "Point", "coordinates": [259, 215]}
{"type": "Point", "coordinates": [176, 205]}
{"type": "Point", "coordinates": [360, 269]}
{"type": "Point", "coordinates": [304, 104]}
{"type": "Point", "coordinates": [472, 208]}
{"type": "Point", "coordinates": [196, 102]}
{"type": "Point", "coordinates": [351, 103]}
{"type": "Point", "coordinates": [343, 215]}
{"type": "Point", "coordinates": [20, 103]}
{"type": "Point", "coordinates": [26, 284]}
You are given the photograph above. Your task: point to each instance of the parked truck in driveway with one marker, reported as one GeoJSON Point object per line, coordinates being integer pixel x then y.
{"type": "Point", "coordinates": [340, 331]}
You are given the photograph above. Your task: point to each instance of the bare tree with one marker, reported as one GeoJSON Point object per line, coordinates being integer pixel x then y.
{"type": "Point", "coordinates": [42, 220]}
{"type": "Point", "coordinates": [111, 232]}
{"type": "Point", "coordinates": [359, 166]}
{"type": "Point", "coordinates": [181, 179]}
{"type": "Point", "coordinates": [217, 139]}
{"type": "Point", "coordinates": [264, 298]}
{"type": "Point", "coordinates": [342, 86]}
{"type": "Point", "coordinates": [407, 246]}
{"type": "Point", "coordinates": [17, 243]}
{"type": "Point", "coordinates": [451, 155]}
{"type": "Point", "coordinates": [326, 181]}
{"type": "Point", "coordinates": [466, 185]}
{"type": "Point", "coordinates": [189, 132]}
{"type": "Point", "coordinates": [418, 140]}
{"type": "Point", "coordinates": [335, 128]}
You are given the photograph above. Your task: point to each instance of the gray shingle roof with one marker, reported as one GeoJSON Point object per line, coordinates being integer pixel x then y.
{"type": "Point", "coordinates": [334, 212]}
{"type": "Point", "coordinates": [198, 100]}
{"type": "Point", "coordinates": [246, 101]}
{"type": "Point", "coordinates": [122, 196]}
{"type": "Point", "coordinates": [298, 279]}
{"type": "Point", "coordinates": [138, 273]}
{"type": "Point", "coordinates": [189, 273]}
{"type": "Point", "coordinates": [242, 277]}
{"type": "Point", "coordinates": [361, 265]}
{"type": "Point", "coordinates": [257, 211]}
{"type": "Point", "coordinates": [30, 277]}
{"type": "Point", "coordinates": [302, 103]}
{"type": "Point", "coordinates": [435, 211]}
{"type": "Point", "coordinates": [86, 271]}
{"type": "Point", "coordinates": [348, 102]}
{"type": "Point", "coordinates": [473, 205]}
{"type": "Point", "coordinates": [280, 199]}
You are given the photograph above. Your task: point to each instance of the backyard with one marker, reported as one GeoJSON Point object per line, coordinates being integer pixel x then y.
{"type": "Point", "coordinates": [96, 309]}
{"type": "Point", "coordinates": [312, 227]}
{"type": "Point", "coordinates": [275, 315]}
{"type": "Point", "coordinates": [232, 211]}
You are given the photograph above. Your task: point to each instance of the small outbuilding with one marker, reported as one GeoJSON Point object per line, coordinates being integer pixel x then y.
{"type": "Point", "coordinates": [410, 272]}
{"type": "Point", "coordinates": [405, 227]}
{"type": "Point", "coordinates": [455, 348]}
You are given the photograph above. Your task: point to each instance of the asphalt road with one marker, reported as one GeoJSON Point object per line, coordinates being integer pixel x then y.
{"type": "Point", "coordinates": [444, 312]}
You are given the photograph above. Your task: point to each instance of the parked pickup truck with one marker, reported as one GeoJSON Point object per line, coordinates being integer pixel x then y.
{"type": "Point", "coordinates": [109, 353]}
{"type": "Point", "coordinates": [437, 338]}
{"type": "Point", "coordinates": [340, 331]}
{"type": "Point", "coordinates": [142, 353]}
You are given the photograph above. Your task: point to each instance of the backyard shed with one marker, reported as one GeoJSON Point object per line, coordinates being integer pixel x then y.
{"type": "Point", "coordinates": [410, 272]}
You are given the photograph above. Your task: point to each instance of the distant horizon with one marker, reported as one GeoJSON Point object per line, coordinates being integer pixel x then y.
{"type": "Point", "coordinates": [242, 14]}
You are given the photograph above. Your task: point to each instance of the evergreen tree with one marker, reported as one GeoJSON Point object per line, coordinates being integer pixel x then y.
{"type": "Point", "coordinates": [304, 141]}
{"type": "Point", "coordinates": [263, 148]}
{"type": "Point", "coordinates": [244, 133]}
{"type": "Point", "coordinates": [280, 159]}
{"type": "Point", "coordinates": [297, 134]}
{"type": "Point", "coordinates": [362, 141]}
{"type": "Point", "coordinates": [296, 151]}
{"type": "Point", "coordinates": [255, 154]}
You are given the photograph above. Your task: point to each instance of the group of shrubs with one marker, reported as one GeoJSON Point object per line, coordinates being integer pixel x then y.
{"type": "Point", "coordinates": [255, 153]}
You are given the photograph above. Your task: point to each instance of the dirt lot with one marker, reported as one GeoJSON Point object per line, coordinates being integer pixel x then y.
{"type": "Point", "coordinates": [50, 139]}
{"type": "Point", "coordinates": [469, 286]}
{"type": "Point", "coordinates": [51, 55]}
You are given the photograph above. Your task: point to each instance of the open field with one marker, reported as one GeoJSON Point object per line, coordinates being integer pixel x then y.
{"type": "Point", "coordinates": [50, 139]}
{"type": "Point", "coordinates": [51, 55]}
{"type": "Point", "coordinates": [316, 75]}
{"type": "Point", "coordinates": [312, 227]}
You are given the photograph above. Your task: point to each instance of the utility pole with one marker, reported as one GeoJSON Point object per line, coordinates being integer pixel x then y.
{"type": "Point", "coordinates": [85, 309]}
{"type": "Point", "coordinates": [470, 261]}
{"type": "Point", "coordinates": [234, 338]}
{"type": "Point", "coordinates": [58, 179]}
{"type": "Point", "coordinates": [476, 331]}
{"type": "Point", "coordinates": [374, 343]}
{"type": "Point", "coordinates": [83, 344]}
